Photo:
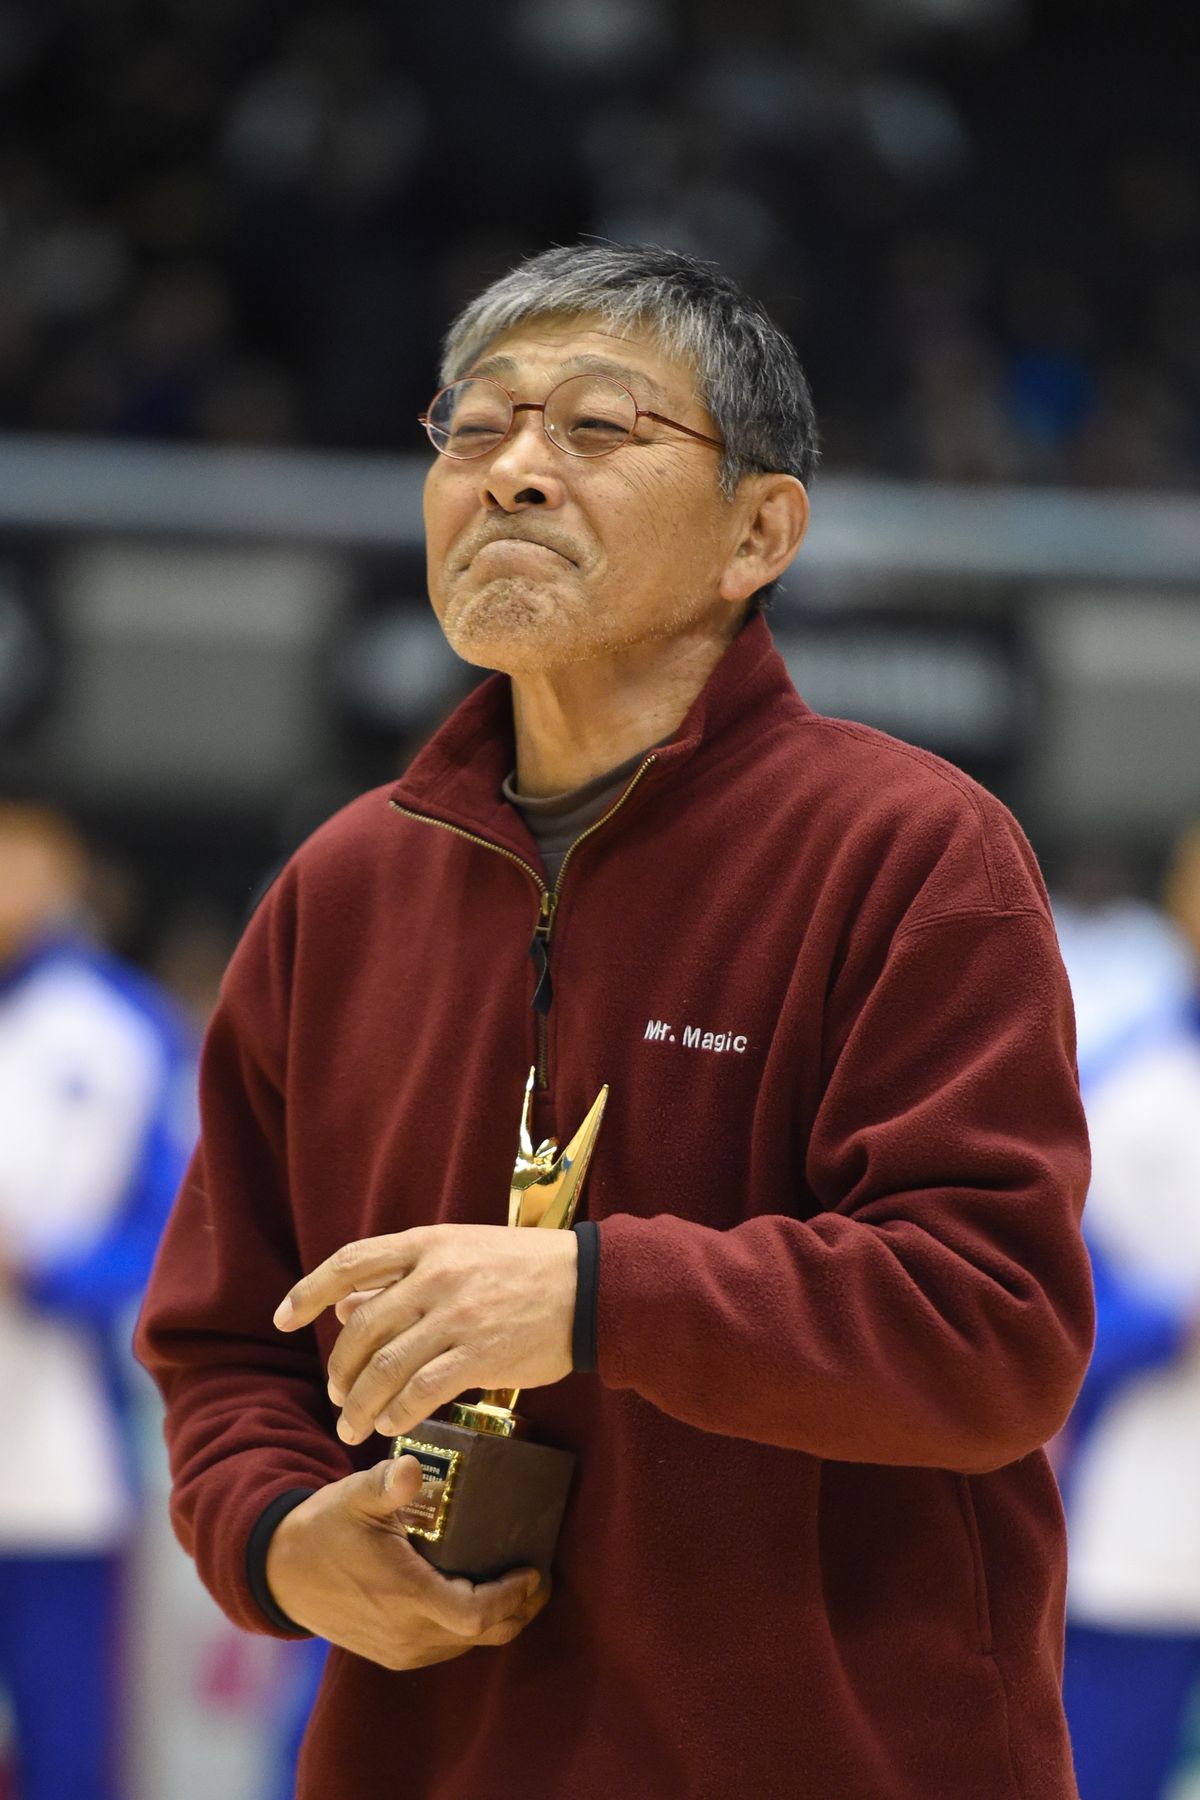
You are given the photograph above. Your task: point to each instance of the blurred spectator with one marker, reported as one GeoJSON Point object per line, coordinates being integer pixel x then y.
{"type": "Point", "coordinates": [96, 1122]}
{"type": "Point", "coordinates": [1181, 888]}
{"type": "Point", "coordinates": [1132, 968]}
{"type": "Point", "coordinates": [1130, 1463]}
{"type": "Point", "coordinates": [1053, 344]}
{"type": "Point", "coordinates": [190, 956]}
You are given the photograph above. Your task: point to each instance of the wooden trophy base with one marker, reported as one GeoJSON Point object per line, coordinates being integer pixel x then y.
{"type": "Point", "coordinates": [488, 1503]}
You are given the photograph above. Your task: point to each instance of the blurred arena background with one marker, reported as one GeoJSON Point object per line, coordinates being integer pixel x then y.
{"type": "Point", "coordinates": [231, 232]}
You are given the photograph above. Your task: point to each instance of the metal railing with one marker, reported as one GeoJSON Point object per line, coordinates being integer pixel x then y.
{"type": "Point", "coordinates": [374, 502]}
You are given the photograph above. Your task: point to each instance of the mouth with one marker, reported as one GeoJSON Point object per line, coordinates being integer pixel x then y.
{"type": "Point", "coordinates": [518, 546]}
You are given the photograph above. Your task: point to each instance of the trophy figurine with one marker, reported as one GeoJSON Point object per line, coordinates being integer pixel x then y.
{"type": "Point", "coordinates": [492, 1499]}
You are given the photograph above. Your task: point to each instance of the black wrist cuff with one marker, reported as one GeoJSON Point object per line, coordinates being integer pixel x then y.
{"type": "Point", "coordinates": [587, 1289]}
{"type": "Point", "coordinates": [256, 1559]}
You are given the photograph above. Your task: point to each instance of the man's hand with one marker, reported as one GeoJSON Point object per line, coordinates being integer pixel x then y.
{"type": "Point", "coordinates": [458, 1307]}
{"type": "Point", "coordinates": [340, 1565]}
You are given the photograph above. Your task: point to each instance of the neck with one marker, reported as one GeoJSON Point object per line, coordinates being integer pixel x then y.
{"type": "Point", "coordinates": [582, 719]}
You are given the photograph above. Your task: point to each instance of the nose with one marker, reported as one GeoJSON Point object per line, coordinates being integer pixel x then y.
{"type": "Point", "coordinates": [523, 472]}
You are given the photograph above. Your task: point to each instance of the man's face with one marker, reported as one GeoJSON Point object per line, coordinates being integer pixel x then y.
{"type": "Point", "coordinates": [537, 558]}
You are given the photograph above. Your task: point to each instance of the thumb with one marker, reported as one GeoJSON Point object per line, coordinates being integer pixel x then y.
{"type": "Point", "coordinates": [383, 1490]}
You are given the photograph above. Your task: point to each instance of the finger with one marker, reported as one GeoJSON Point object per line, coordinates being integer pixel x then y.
{"type": "Point", "coordinates": [514, 1625]}
{"type": "Point", "coordinates": [432, 1384]}
{"type": "Point", "coordinates": [368, 1262]}
{"type": "Point", "coordinates": [438, 1372]}
{"type": "Point", "coordinates": [447, 1653]}
{"type": "Point", "coordinates": [373, 1324]}
{"type": "Point", "coordinates": [469, 1609]}
{"type": "Point", "coordinates": [345, 1309]}
{"type": "Point", "coordinates": [383, 1490]}
{"type": "Point", "coordinates": [409, 1364]}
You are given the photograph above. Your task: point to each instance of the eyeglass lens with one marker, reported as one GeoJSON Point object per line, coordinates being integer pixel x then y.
{"type": "Point", "coordinates": [587, 415]}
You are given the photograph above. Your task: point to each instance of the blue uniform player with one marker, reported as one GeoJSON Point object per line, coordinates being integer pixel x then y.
{"type": "Point", "coordinates": [96, 1121]}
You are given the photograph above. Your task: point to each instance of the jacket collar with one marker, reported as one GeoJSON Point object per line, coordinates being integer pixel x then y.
{"type": "Point", "coordinates": [457, 776]}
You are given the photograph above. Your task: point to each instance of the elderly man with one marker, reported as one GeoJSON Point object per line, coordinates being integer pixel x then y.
{"type": "Point", "coordinates": [829, 1297]}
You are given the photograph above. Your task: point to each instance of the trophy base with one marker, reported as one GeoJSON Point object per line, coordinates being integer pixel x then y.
{"type": "Point", "coordinates": [488, 1503]}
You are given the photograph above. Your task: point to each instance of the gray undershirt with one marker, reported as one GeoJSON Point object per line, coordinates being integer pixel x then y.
{"type": "Point", "coordinates": [556, 820]}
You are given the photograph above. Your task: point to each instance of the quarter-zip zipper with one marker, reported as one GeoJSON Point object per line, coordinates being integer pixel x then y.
{"type": "Point", "coordinates": [602, 820]}
{"type": "Point", "coordinates": [547, 900]}
{"type": "Point", "coordinates": [543, 992]}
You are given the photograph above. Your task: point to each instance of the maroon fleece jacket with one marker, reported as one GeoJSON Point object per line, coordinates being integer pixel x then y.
{"type": "Point", "coordinates": [813, 1545]}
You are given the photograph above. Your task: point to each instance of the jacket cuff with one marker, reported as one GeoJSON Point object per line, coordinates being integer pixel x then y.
{"type": "Point", "coordinates": [587, 1288]}
{"type": "Point", "coordinates": [256, 1559]}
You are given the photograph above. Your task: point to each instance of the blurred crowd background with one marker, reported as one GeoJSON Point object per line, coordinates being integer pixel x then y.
{"type": "Point", "coordinates": [250, 222]}
{"type": "Point", "coordinates": [231, 236]}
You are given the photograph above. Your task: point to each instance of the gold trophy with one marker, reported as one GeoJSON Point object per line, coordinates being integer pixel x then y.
{"type": "Point", "coordinates": [491, 1499]}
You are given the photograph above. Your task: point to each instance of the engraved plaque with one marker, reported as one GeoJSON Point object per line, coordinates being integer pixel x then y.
{"type": "Point", "coordinates": [425, 1516]}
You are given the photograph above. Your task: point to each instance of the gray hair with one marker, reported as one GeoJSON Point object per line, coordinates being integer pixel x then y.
{"type": "Point", "coordinates": [748, 374]}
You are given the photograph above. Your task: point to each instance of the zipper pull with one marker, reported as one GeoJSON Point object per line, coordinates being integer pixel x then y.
{"type": "Point", "coordinates": [543, 993]}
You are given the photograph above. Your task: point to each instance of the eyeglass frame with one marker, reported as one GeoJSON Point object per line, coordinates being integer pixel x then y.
{"type": "Point", "coordinates": [640, 412]}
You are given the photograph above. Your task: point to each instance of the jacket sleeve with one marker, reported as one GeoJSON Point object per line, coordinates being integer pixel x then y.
{"type": "Point", "coordinates": [936, 1310]}
{"type": "Point", "coordinates": [247, 1416]}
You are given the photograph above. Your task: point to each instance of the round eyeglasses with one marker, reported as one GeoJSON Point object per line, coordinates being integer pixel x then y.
{"type": "Point", "coordinates": [585, 415]}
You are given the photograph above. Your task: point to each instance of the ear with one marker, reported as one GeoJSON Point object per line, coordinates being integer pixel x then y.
{"type": "Point", "coordinates": [774, 519]}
